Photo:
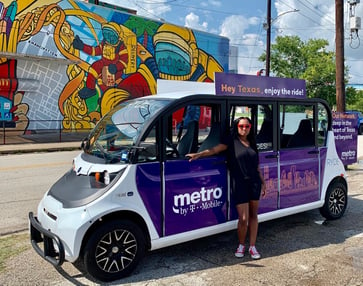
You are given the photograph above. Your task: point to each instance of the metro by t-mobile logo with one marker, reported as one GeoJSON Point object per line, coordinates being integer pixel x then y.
{"type": "Point", "coordinates": [186, 201]}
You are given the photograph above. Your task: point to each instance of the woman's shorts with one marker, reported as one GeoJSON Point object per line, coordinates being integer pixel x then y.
{"type": "Point", "coordinates": [246, 191]}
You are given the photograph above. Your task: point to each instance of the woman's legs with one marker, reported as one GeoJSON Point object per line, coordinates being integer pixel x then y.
{"type": "Point", "coordinates": [243, 217]}
{"type": "Point", "coordinates": [253, 221]}
{"type": "Point", "coordinates": [247, 220]}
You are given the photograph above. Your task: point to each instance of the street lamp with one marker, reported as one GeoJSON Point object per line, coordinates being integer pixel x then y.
{"type": "Point", "coordinates": [267, 27]}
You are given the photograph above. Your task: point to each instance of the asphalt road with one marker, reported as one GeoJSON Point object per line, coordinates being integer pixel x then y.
{"type": "Point", "coordinates": [296, 250]}
{"type": "Point", "coordinates": [24, 180]}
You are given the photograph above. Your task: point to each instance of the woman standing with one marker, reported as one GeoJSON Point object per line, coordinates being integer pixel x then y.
{"type": "Point", "coordinates": [246, 180]}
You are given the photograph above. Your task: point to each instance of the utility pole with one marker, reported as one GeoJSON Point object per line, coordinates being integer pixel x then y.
{"type": "Point", "coordinates": [267, 27]}
{"type": "Point", "coordinates": [268, 38]}
{"type": "Point", "coordinates": [339, 53]}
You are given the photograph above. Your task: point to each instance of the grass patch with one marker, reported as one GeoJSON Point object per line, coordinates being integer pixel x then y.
{"type": "Point", "coordinates": [11, 245]}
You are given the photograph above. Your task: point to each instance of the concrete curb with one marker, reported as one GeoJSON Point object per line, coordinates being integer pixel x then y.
{"type": "Point", "coordinates": [39, 147]}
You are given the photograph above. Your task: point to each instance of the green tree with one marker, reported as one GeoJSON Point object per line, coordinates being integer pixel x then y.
{"type": "Point", "coordinates": [356, 100]}
{"type": "Point", "coordinates": [291, 57]}
{"type": "Point", "coordinates": [141, 26]}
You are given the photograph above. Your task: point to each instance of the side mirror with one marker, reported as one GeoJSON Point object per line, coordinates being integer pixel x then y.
{"type": "Point", "coordinates": [85, 143]}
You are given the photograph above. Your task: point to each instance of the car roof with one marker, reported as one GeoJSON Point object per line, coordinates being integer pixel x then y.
{"type": "Point", "coordinates": [174, 95]}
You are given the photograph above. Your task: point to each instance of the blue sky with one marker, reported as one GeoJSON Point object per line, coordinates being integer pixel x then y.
{"type": "Point", "coordinates": [242, 22]}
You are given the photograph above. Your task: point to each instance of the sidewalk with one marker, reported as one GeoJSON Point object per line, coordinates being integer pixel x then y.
{"type": "Point", "coordinates": [46, 142]}
{"type": "Point", "coordinates": [39, 147]}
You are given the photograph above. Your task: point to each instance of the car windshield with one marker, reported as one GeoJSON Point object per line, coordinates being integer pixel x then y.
{"type": "Point", "coordinates": [116, 133]}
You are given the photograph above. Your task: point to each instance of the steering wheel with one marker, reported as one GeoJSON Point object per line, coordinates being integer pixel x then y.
{"type": "Point", "coordinates": [173, 152]}
{"type": "Point", "coordinates": [101, 149]}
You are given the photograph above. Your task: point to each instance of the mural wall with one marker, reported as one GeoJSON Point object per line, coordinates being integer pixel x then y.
{"type": "Point", "coordinates": [64, 64]}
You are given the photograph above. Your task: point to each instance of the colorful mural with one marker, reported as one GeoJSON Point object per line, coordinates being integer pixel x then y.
{"type": "Point", "coordinates": [71, 62]}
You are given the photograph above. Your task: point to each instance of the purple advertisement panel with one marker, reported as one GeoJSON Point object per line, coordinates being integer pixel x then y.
{"type": "Point", "coordinates": [195, 194]}
{"type": "Point", "coordinates": [149, 187]}
{"type": "Point", "coordinates": [249, 85]}
{"type": "Point", "coordinates": [299, 177]}
{"type": "Point", "coordinates": [346, 136]}
{"type": "Point", "coordinates": [268, 165]}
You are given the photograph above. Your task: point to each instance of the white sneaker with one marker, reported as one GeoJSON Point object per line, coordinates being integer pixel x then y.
{"type": "Point", "coordinates": [240, 252]}
{"type": "Point", "coordinates": [254, 253]}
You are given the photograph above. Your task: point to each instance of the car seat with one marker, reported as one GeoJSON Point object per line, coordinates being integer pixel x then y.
{"type": "Point", "coordinates": [189, 141]}
{"type": "Point", "coordinates": [213, 137]}
{"type": "Point", "coordinates": [265, 134]}
{"type": "Point", "coordinates": [304, 135]}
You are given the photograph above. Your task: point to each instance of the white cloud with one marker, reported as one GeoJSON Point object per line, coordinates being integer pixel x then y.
{"type": "Point", "coordinates": [250, 46]}
{"type": "Point", "coordinates": [155, 10]}
{"type": "Point", "coordinates": [192, 21]}
{"type": "Point", "coordinates": [254, 21]}
{"type": "Point", "coordinates": [213, 3]}
{"type": "Point", "coordinates": [252, 40]}
{"type": "Point", "coordinates": [305, 19]}
{"type": "Point", "coordinates": [233, 27]}
{"type": "Point", "coordinates": [317, 21]}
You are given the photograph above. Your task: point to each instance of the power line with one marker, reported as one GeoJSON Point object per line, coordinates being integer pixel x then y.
{"type": "Point", "coordinates": [172, 3]}
{"type": "Point", "coordinates": [317, 11]}
{"type": "Point", "coordinates": [302, 13]}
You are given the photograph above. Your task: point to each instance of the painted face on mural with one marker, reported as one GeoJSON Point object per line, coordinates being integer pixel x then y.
{"type": "Point", "coordinates": [110, 36]}
{"type": "Point", "coordinates": [172, 59]}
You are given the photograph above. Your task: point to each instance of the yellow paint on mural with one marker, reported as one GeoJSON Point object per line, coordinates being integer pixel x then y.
{"type": "Point", "coordinates": [130, 41]}
{"type": "Point", "coordinates": [25, 6]}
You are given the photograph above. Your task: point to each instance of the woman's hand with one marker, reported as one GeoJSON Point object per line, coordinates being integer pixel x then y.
{"type": "Point", "coordinates": [209, 152]}
{"type": "Point", "coordinates": [263, 189]}
{"type": "Point", "coordinates": [193, 156]}
{"type": "Point", "coordinates": [263, 183]}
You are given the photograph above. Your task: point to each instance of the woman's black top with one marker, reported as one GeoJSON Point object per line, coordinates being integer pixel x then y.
{"type": "Point", "coordinates": [243, 166]}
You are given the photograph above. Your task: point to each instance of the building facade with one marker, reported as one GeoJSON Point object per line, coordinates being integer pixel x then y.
{"type": "Point", "coordinates": [64, 64]}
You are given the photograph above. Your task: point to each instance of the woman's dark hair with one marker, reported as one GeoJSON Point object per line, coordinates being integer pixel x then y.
{"type": "Point", "coordinates": [251, 136]}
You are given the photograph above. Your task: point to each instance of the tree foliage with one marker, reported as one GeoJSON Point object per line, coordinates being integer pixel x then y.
{"type": "Point", "coordinates": [292, 58]}
{"type": "Point", "coordinates": [355, 101]}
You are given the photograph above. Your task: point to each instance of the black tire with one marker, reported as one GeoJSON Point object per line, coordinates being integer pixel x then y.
{"type": "Point", "coordinates": [360, 129]}
{"type": "Point", "coordinates": [336, 200]}
{"type": "Point", "coordinates": [114, 250]}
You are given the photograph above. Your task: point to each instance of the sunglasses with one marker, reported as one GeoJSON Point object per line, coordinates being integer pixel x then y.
{"type": "Point", "coordinates": [247, 126]}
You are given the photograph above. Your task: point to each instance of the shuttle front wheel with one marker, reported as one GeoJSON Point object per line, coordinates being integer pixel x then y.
{"type": "Point", "coordinates": [114, 250]}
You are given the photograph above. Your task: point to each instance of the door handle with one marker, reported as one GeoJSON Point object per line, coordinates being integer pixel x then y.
{"type": "Point", "coordinates": [219, 162]}
{"type": "Point", "coordinates": [274, 156]}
